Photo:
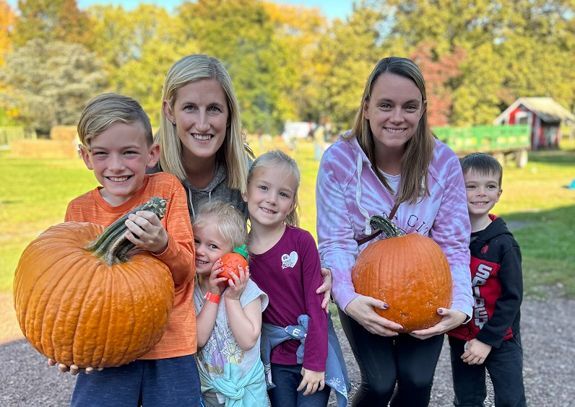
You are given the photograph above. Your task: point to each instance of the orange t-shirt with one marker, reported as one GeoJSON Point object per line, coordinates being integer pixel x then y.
{"type": "Point", "coordinates": [179, 339]}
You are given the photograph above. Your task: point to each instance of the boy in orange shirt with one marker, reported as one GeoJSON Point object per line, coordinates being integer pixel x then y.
{"type": "Point", "coordinates": [117, 144]}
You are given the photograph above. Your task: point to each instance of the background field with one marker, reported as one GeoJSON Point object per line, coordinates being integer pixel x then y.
{"type": "Point", "coordinates": [536, 203]}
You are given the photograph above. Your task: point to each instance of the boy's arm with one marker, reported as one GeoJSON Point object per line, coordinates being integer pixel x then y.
{"type": "Point", "coordinates": [179, 254]}
{"type": "Point", "coordinates": [508, 304]}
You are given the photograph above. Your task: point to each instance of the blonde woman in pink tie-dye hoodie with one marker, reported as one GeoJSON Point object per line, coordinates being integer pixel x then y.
{"type": "Point", "coordinates": [391, 159]}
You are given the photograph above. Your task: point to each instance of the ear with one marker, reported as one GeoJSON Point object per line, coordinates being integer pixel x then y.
{"type": "Point", "coordinates": [168, 111]}
{"type": "Point", "coordinates": [153, 155]}
{"type": "Point", "coordinates": [499, 194]}
{"type": "Point", "coordinates": [365, 108]}
{"type": "Point", "coordinates": [245, 196]}
{"type": "Point", "coordinates": [86, 156]}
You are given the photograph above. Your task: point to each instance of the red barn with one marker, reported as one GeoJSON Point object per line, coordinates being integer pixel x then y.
{"type": "Point", "coordinates": [543, 114]}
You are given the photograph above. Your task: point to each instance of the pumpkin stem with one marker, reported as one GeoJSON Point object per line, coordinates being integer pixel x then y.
{"type": "Point", "coordinates": [112, 245]}
{"type": "Point", "coordinates": [384, 224]}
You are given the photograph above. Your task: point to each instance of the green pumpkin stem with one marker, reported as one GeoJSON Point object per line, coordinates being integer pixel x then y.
{"type": "Point", "coordinates": [387, 227]}
{"type": "Point", "coordinates": [112, 245]}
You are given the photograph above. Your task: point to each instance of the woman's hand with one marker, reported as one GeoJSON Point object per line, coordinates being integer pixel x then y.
{"type": "Point", "coordinates": [362, 310]}
{"type": "Point", "coordinates": [311, 381]}
{"type": "Point", "coordinates": [325, 288]}
{"type": "Point", "coordinates": [450, 319]}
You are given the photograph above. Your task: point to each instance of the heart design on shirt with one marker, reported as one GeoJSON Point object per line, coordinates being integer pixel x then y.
{"type": "Point", "coordinates": [289, 260]}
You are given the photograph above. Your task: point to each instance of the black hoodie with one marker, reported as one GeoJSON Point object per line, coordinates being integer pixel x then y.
{"type": "Point", "coordinates": [497, 286]}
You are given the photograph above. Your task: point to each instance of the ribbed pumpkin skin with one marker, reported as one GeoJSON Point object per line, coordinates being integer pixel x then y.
{"type": "Point", "coordinates": [75, 309]}
{"type": "Point", "coordinates": [411, 274]}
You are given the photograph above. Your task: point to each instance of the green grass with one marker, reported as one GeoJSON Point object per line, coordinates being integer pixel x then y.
{"type": "Point", "coordinates": [33, 196]}
{"type": "Point", "coordinates": [535, 203]}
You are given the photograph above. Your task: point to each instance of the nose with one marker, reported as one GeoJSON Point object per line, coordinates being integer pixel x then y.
{"type": "Point", "coordinates": [397, 114]}
{"type": "Point", "coordinates": [203, 123]}
{"type": "Point", "coordinates": [116, 162]}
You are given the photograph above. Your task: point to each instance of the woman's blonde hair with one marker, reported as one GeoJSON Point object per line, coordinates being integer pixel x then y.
{"type": "Point", "coordinates": [277, 158]}
{"type": "Point", "coordinates": [189, 69]}
{"type": "Point", "coordinates": [229, 222]}
{"type": "Point", "coordinates": [418, 150]}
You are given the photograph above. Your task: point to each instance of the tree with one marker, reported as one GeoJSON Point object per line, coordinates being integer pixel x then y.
{"type": "Point", "coordinates": [137, 48]}
{"type": "Point", "coordinates": [51, 20]}
{"type": "Point", "coordinates": [348, 53]}
{"type": "Point", "coordinates": [7, 19]}
{"type": "Point", "coordinates": [50, 82]}
{"type": "Point", "coordinates": [241, 34]}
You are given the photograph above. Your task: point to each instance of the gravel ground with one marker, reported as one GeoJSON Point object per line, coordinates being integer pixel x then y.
{"type": "Point", "coordinates": [549, 364]}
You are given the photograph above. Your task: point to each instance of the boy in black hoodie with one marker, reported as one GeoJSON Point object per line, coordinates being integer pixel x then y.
{"type": "Point", "coordinates": [490, 340]}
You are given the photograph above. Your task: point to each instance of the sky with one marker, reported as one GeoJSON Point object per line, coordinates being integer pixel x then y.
{"type": "Point", "coordinates": [330, 8]}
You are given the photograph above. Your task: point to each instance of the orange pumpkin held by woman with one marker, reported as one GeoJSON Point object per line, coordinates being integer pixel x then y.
{"type": "Point", "coordinates": [231, 261]}
{"type": "Point", "coordinates": [81, 299]}
{"type": "Point", "coordinates": [408, 272]}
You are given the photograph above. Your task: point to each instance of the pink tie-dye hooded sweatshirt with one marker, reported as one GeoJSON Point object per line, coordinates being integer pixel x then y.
{"type": "Point", "coordinates": [349, 192]}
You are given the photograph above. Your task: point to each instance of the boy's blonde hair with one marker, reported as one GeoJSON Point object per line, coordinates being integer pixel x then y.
{"type": "Point", "coordinates": [229, 221]}
{"type": "Point", "coordinates": [276, 158]}
{"type": "Point", "coordinates": [482, 163]}
{"type": "Point", "coordinates": [107, 109]}
{"type": "Point", "coordinates": [189, 69]}
{"type": "Point", "coordinates": [418, 150]}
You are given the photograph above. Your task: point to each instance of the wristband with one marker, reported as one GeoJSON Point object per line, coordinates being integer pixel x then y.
{"type": "Point", "coordinates": [211, 297]}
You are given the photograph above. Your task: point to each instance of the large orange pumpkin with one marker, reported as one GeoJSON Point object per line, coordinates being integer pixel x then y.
{"type": "Point", "coordinates": [91, 308]}
{"type": "Point", "coordinates": [411, 274]}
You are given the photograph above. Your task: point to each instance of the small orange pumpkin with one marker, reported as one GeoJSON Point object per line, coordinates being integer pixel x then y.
{"type": "Point", "coordinates": [91, 307]}
{"type": "Point", "coordinates": [231, 261]}
{"type": "Point", "coordinates": [408, 272]}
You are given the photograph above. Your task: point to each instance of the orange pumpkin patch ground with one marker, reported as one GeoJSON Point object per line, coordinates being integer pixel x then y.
{"type": "Point", "coordinates": [411, 274]}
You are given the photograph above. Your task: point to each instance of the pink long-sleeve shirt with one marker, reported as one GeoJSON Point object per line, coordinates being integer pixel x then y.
{"type": "Point", "coordinates": [349, 192]}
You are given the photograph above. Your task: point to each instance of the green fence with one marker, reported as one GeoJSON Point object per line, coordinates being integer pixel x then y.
{"type": "Point", "coordinates": [9, 134]}
{"type": "Point", "coordinates": [489, 139]}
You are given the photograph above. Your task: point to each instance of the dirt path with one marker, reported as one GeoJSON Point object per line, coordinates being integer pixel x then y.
{"type": "Point", "coordinates": [9, 329]}
{"type": "Point", "coordinates": [548, 333]}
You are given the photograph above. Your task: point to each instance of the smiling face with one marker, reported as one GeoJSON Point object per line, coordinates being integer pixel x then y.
{"type": "Point", "coordinates": [393, 110]}
{"type": "Point", "coordinates": [200, 114]}
{"type": "Point", "coordinates": [119, 157]}
{"type": "Point", "coordinates": [210, 244]}
{"type": "Point", "coordinates": [271, 195]}
{"type": "Point", "coordinates": [483, 192]}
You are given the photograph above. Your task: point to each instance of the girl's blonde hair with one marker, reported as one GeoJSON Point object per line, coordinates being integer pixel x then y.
{"type": "Point", "coordinates": [418, 150]}
{"type": "Point", "coordinates": [275, 158]}
{"type": "Point", "coordinates": [189, 69]}
{"type": "Point", "coordinates": [229, 222]}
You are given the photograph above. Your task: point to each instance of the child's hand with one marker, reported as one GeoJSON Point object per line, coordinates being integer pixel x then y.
{"type": "Point", "coordinates": [475, 352]}
{"type": "Point", "coordinates": [217, 284]}
{"type": "Point", "coordinates": [237, 283]}
{"type": "Point", "coordinates": [73, 369]}
{"type": "Point", "coordinates": [311, 382]}
{"type": "Point", "coordinates": [147, 232]}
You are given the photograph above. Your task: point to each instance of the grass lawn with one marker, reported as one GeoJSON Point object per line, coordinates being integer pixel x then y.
{"type": "Point", "coordinates": [535, 202]}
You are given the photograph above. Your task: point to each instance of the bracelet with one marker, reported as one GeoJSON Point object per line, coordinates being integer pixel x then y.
{"type": "Point", "coordinates": [211, 297]}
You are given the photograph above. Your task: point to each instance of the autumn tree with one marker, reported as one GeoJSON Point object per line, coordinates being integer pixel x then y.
{"type": "Point", "coordinates": [137, 48]}
{"type": "Point", "coordinates": [51, 20]}
{"type": "Point", "coordinates": [347, 54]}
{"type": "Point", "coordinates": [7, 20]}
{"type": "Point", "coordinates": [241, 34]}
{"type": "Point", "coordinates": [50, 82]}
